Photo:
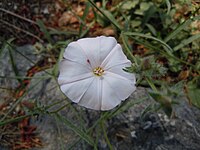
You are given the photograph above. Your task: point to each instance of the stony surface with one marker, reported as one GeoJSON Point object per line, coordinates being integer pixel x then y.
{"type": "Point", "coordinates": [128, 130]}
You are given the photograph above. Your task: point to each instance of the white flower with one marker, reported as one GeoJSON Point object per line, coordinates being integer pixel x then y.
{"type": "Point", "coordinates": [92, 75]}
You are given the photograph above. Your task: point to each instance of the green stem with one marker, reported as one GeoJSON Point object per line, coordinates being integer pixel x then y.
{"type": "Point", "coordinates": [16, 119]}
{"type": "Point", "coordinates": [129, 51]}
{"type": "Point", "coordinates": [99, 9]}
{"type": "Point", "coordinates": [132, 34]}
{"type": "Point", "coordinates": [105, 135]}
{"type": "Point", "coordinates": [18, 101]}
{"type": "Point", "coordinates": [59, 109]}
{"type": "Point", "coordinates": [151, 84]}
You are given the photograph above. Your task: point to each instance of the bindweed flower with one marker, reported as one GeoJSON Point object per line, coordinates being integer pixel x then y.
{"type": "Point", "coordinates": [92, 75]}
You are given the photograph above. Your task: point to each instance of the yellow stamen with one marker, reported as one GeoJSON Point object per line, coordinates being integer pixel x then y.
{"type": "Point", "coordinates": [98, 71]}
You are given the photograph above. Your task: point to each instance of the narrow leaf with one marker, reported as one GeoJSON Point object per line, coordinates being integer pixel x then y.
{"type": "Point", "coordinates": [193, 93]}
{"type": "Point", "coordinates": [187, 41]}
{"type": "Point", "coordinates": [44, 30]}
{"type": "Point", "coordinates": [69, 124]}
{"type": "Point", "coordinates": [14, 66]}
{"type": "Point", "coordinates": [164, 101]}
{"type": "Point", "coordinates": [106, 14]}
{"type": "Point", "coordinates": [169, 49]}
{"type": "Point", "coordinates": [180, 28]}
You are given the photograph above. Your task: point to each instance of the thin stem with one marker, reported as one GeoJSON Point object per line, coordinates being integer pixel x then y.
{"type": "Point", "coordinates": [22, 30]}
{"type": "Point", "coordinates": [105, 135]}
{"type": "Point", "coordinates": [129, 51]}
{"type": "Point", "coordinates": [17, 119]}
{"type": "Point", "coordinates": [114, 23]}
{"type": "Point", "coordinates": [19, 100]}
{"type": "Point", "coordinates": [16, 15]}
{"type": "Point", "coordinates": [20, 77]}
{"type": "Point", "coordinates": [59, 109]}
{"type": "Point", "coordinates": [151, 84]}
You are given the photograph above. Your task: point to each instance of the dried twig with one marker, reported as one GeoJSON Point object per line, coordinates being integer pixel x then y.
{"type": "Point", "coordinates": [16, 15]}
{"type": "Point", "coordinates": [22, 30]}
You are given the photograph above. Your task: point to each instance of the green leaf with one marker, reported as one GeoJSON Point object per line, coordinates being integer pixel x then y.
{"type": "Point", "coordinates": [169, 49]}
{"type": "Point", "coordinates": [14, 66]}
{"type": "Point", "coordinates": [193, 92]}
{"type": "Point", "coordinates": [168, 6]}
{"type": "Point", "coordinates": [59, 32]}
{"type": "Point", "coordinates": [149, 108]}
{"type": "Point", "coordinates": [125, 106]}
{"type": "Point", "coordinates": [127, 47]}
{"type": "Point", "coordinates": [44, 30]}
{"type": "Point", "coordinates": [56, 66]}
{"type": "Point", "coordinates": [181, 27]}
{"type": "Point", "coordinates": [76, 129]}
{"type": "Point", "coordinates": [165, 102]}
{"type": "Point", "coordinates": [85, 13]}
{"type": "Point", "coordinates": [152, 29]}
{"type": "Point", "coordinates": [107, 14]}
{"type": "Point", "coordinates": [111, 18]}
{"type": "Point", "coordinates": [148, 14]}
{"type": "Point", "coordinates": [19, 100]}
{"type": "Point", "coordinates": [187, 41]}
{"type": "Point", "coordinates": [129, 4]}
{"type": "Point", "coordinates": [13, 120]}
{"type": "Point", "coordinates": [6, 45]}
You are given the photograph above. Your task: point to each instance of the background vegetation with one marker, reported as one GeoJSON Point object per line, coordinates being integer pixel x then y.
{"type": "Point", "coordinates": [160, 37]}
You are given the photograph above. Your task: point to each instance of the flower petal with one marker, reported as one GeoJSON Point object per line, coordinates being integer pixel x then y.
{"type": "Point", "coordinates": [109, 97]}
{"type": "Point", "coordinates": [115, 57]}
{"type": "Point", "coordinates": [90, 51]}
{"type": "Point", "coordinates": [122, 86]}
{"type": "Point", "coordinates": [76, 90]}
{"type": "Point", "coordinates": [118, 69]}
{"type": "Point", "coordinates": [74, 53]}
{"type": "Point", "coordinates": [106, 45]}
{"type": "Point", "coordinates": [67, 80]}
{"type": "Point", "coordinates": [91, 47]}
{"type": "Point", "coordinates": [70, 69]}
{"type": "Point", "coordinates": [92, 97]}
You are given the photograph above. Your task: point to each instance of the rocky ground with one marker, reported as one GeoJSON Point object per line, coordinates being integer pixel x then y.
{"type": "Point", "coordinates": [128, 130]}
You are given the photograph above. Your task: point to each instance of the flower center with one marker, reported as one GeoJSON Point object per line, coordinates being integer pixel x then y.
{"type": "Point", "coordinates": [98, 71]}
